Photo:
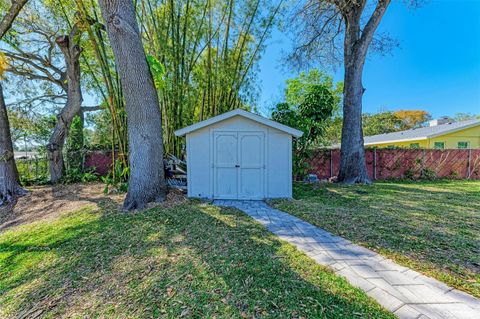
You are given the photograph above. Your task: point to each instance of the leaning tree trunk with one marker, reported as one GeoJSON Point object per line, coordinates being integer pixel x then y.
{"type": "Point", "coordinates": [71, 51]}
{"type": "Point", "coordinates": [146, 182]}
{"type": "Point", "coordinates": [10, 187]}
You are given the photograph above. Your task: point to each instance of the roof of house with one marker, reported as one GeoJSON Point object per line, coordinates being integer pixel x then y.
{"type": "Point", "coordinates": [243, 113]}
{"type": "Point", "coordinates": [421, 133]}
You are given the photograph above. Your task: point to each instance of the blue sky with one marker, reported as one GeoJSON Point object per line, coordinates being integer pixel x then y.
{"type": "Point", "coordinates": [436, 67]}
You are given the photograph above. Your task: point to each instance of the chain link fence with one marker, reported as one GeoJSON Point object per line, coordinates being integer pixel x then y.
{"type": "Point", "coordinates": [33, 170]}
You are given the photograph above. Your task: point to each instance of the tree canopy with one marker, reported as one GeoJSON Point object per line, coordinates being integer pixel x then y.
{"type": "Point", "coordinates": [311, 100]}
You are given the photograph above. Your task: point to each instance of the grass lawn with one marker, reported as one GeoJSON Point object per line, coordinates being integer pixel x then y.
{"type": "Point", "coordinates": [189, 260]}
{"type": "Point", "coordinates": [432, 227]}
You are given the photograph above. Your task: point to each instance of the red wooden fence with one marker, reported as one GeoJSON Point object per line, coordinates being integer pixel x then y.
{"type": "Point", "coordinates": [101, 161]}
{"type": "Point", "coordinates": [381, 163]}
{"type": "Point", "coordinates": [403, 163]}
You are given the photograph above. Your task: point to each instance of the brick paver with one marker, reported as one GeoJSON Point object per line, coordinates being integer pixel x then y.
{"type": "Point", "coordinates": [407, 293]}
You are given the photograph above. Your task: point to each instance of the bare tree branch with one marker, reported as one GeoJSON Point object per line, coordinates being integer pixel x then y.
{"type": "Point", "coordinates": [91, 108]}
{"type": "Point", "coordinates": [372, 24]}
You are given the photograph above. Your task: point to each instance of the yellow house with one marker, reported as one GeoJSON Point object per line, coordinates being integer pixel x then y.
{"type": "Point", "coordinates": [441, 134]}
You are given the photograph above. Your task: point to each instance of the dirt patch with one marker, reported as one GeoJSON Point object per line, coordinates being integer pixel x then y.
{"type": "Point", "coordinates": [48, 202]}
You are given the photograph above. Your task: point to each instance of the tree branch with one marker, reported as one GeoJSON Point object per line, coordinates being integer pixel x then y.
{"type": "Point", "coordinates": [41, 98]}
{"type": "Point", "coordinates": [91, 108]}
{"type": "Point", "coordinates": [373, 22]}
{"type": "Point", "coordinates": [7, 20]}
{"type": "Point", "coordinates": [24, 69]}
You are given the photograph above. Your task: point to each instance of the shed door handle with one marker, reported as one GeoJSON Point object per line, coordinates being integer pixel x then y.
{"type": "Point", "coordinates": [237, 165]}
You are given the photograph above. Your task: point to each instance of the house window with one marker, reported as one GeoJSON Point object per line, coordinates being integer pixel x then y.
{"type": "Point", "coordinates": [462, 145]}
{"type": "Point", "coordinates": [415, 145]}
{"type": "Point", "coordinates": [439, 145]}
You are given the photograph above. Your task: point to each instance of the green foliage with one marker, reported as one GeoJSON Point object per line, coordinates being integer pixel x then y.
{"type": "Point", "coordinates": [313, 100]}
{"type": "Point", "coordinates": [75, 175]}
{"type": "Point", "coordinates": [428, 174]}
{"type": "Point", "coordinates": [310, 118]}
{"type": "Point", "coordinates": [74, 145]}
{"type": "Point", "coordinates": [317, 106]}
{"type": "Point", "coordinates": [287, 115]}
{"type": "Point", "coordinates": [380, 123]}
{"type": "Point", "coordinates": [158, 72]}
{"type": "Point", "coordinates": [75, 135]}
{"type": "Point", "coordinates": [29, 129]}
{"type": "Point", "coordinates": [465, 117]}
{"type": "Point", "coordinates": [99, 135]}
{"type": "Point", "coordinates": [333, 131]}
{"type": "Point", "coordinates": [203, 57]}
{"type": "Point", "coordinates": [116, 180]}
{"type": "Point", "coordinates": [298, 87]}
{"type": "Point", "coordinates": [33, 171]}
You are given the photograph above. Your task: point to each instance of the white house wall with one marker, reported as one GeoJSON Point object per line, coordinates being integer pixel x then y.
{"type": "Point", "coordinates": [278, 159]}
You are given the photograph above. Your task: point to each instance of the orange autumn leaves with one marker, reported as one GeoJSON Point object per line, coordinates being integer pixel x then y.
{"type": "Point", "coordinates": [412, 118]}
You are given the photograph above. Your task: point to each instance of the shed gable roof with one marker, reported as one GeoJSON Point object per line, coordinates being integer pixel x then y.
{"type": "Point", "coordinates": [243, 113]}
{"type": "Point", "coordinates": [421, 133]}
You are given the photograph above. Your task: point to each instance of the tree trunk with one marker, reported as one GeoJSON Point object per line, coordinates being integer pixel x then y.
{"type": "Point", "coordinates": [10, 186]}
{"type": "Point", "coordinates": [146, 181]}
{"type": "Point", "coordinates": [71, 50]}
{"type": "Point", "coordinates": [353, 168]}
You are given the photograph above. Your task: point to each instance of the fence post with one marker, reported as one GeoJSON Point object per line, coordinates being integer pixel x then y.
{"type": "Point", "coordinates": [331, 163]}
{"type": "Point", "coordinates": [469, 163]}
{"type": "Point", "coordinates": [83, 160]}
{"type": "Point", "coordinates": [424, 152]}
{"type": "Point", "coordinates": [374, 164]}
{"type": "Point", "coordinates": [36, 168]}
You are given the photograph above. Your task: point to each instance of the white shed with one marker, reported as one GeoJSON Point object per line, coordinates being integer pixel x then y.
{"type": "Point", "coordinates": [239, 155]}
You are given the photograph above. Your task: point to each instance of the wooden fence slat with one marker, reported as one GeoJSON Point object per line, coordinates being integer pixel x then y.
{"type": "Point", "coordinates": [401, 163]}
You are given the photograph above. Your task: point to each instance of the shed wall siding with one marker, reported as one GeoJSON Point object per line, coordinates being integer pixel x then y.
{"type": "Point", "coordinates": [198, 164]}
{"type": "Point", "coordinates": [279, 165]}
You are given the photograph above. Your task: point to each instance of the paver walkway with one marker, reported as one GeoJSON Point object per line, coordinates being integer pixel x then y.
{"type": "Point", "coordinates": [407, 293]}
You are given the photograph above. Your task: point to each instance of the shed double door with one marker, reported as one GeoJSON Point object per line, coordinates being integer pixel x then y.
{"type": "Point", "coordinates": [238, 165]}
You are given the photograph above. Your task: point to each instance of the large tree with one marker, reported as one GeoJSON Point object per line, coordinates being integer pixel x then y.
{"type": "Point", "coordinates": [47, 68]}
{"type": "Point", "coordinates": [69, 45]}
{"type": "Point", "coordinates": [9, 181]}
{"type": "Point", "coordinates": [328, 27]}
{"type": "Point", "coordinates": [146, 182]}
{"type": "Point", "coordinates": [209, 50]}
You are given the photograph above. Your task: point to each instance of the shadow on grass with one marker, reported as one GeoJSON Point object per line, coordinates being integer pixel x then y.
{"type": "Point", "coordinates": [49, 201]}
{"type": "Point", "coordinates": [192, 260]}
{"type": "Point", "coordinates": [434, 224]}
